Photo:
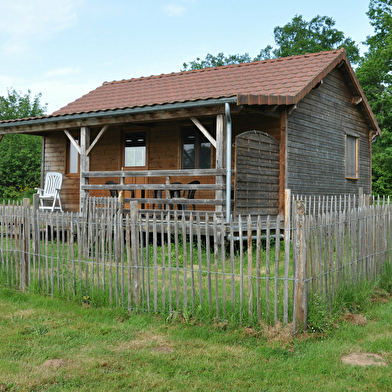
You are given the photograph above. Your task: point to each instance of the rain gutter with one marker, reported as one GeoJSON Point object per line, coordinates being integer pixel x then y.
{"type": "Point", "coordinates": [228, 161]}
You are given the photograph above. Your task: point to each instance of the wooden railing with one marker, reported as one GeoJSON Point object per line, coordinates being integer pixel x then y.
{"type": "Point", "coordinates": [162, 198]}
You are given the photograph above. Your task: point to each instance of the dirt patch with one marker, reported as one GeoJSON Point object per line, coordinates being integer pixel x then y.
{"type": "Point", "coordinates": [278, 333]}
{"type": "Point", "coordinates": [162, 349]}
{"type": "Point", "coordinates": [221, 325]}
{"type": "Point", "coordinates": [273, 333]}
{"type": "Point", "coordinates": [55, 363]}
{"type": "Point", "coordinates": [364, 359]}
{"type": "Point", "coordinates": [355, 319]}
{"type": "Point", "coordinates": [381, 296]}
{"type": "Point", "coordinates": [23, 314]}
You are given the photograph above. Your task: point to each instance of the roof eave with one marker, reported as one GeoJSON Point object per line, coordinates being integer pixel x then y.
{"type": "Point", "coordinates": [376, 129]}
{"type": "Point", "coordinates": [290, 99]}
{"type": "Point", "coordinates": [285, 99]}
{"type": "Point", "coordinates": [35, 122]}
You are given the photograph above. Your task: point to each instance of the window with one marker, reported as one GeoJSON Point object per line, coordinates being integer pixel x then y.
{"type": "Point", "coordinates": [73, 157]}
{"type": "Point", "coordinates": [135, 149]}
{"type": "Point", "coordinates": [196, 152]}
{"type": "Point", "coordinates": [351, 156]}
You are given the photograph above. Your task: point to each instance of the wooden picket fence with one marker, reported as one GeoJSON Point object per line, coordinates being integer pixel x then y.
{"type": "Point", "coordinates": [346, 240]}
{"type": "Point", "coordinates": [195, 264]}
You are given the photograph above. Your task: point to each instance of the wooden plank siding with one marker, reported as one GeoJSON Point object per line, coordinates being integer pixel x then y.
{"type": "Point", "coordinates": [317, 137]}
{"type": "Point", "coordinates": [105, 156]}
{"type": "Point", "coordinates": [257, 181]}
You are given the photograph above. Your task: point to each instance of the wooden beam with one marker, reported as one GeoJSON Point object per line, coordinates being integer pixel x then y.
{"type": "Point", "coordinates": [271, 108]}
{"type": "Point", "coordinates": [319, 84]}
{"type": "Point", "coordinates": [1, 137]}
{"type": "Point", "coordinates": [204, 131]}
{"type": "Point", "coordinates": [100, 134]}
{"type": "Point", "coordinates": [170, 187]}
{"type": "Point", "coordinates": [42, 162]}
{"type": "Point", "coordinates": [220, 157]}
{"type": "Point", "coordinates": [84, 162]}
{"type": "Point", "coordinates": [291, 109]}
{"type": "Point", "coordinates": [282, 161]}
{"type": "Point", "coordinates": [264, 110]}
{"type": "Point", "coordinates": [155, 173]}
{"type": "Point", "coordinates": [356, 100]}
{"type": "Point", "coordinates": [59, 124]}
{"type": "Point", "coordinates": [73, 141]}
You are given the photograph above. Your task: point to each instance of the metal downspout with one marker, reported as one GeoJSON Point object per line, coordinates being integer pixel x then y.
{"type": "Point", "coordinates": [228, 162]}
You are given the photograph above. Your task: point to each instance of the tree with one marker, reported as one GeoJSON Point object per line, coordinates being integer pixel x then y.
{"type": "Point", "coordinates": [20, 155]}
{"type": "Point", "coordinates": [295, 38]}
{"type": "Point", "coordinates": [375, 76]}
{"type": "Point", "coordinates": [16, 105]}
{"type": "Point", "coordinates": [217, 61]}
{"type": "Point", "coordinates": [300, 37]}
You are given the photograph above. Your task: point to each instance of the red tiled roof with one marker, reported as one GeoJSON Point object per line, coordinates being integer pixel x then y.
{"type": "Point", "coordinates": [282, 81]}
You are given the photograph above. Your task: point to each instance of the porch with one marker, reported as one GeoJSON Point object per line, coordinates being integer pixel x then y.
{"type": "Point", "coordinates": [200, 190]}
{"type": "Point", "coordinates": [248, 185]}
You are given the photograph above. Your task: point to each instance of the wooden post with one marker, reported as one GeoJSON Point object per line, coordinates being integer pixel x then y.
{"type": "Point", "coordinates": [135, 251]}
{"type": "Point", "coordinates": [167, 193]}
{"type": "Point", "coordinates": [35, 226]}
{"type": "Point", "coordinates": [287, 229]}
{"type": "Point", "coordinates": [360, 197]}
{"type": "Point", "coordinates": [35, 202]}
{"type": "Point", "coordinates": [300, 300]}
{"type": "Point", "coordinates": [35, 233]}
{"type": "Point", "coordinates": [42, 162]}
{"type": "Point", "coordinates": [220, 159]}
{"type": "Point", "coordinates": [282, 160]}
{"type": "Point", "coordinates": [26, 240]}
{"type": "Point", "coordinates": [84, 162]}
{"type": "Point", "coordinates": [287, 210]}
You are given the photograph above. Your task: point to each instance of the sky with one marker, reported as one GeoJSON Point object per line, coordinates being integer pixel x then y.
{"type": "Point", "coordinates": [65, 48]}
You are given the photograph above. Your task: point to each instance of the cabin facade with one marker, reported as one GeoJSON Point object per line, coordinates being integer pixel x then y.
{"type": "Point", "coordinates": [229, 139]}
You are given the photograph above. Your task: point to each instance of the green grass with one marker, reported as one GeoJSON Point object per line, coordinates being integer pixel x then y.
{"type": "Point", "coordinates": [102, 349]}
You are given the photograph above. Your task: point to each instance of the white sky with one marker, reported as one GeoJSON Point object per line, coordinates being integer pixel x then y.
{"type": "Point", "coordinates": [66, 48]}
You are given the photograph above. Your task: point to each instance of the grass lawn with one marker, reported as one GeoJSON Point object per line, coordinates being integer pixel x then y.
{"type": "Point", "coordinates": [57, 345]}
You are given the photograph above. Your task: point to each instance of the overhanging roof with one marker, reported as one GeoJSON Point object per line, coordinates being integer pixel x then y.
{"type": "Point", "coordinates": [282, 81]}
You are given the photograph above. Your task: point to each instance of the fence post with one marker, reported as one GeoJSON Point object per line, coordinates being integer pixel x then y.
{"type": "Point", "coordinates": [135, 251]}
{"type": "Point", "coordinates": [287, 235]}
{"type": "Point", "coordinates": [35, 231]}
{"type": "Point", "coordinates": [25, 244]}
{"type": "Point", "coordinates": [300, 297]}
{"type": "Point", "coordinates": [287, 205]}
{"type": "Point", "coordinates": [121, 202]}
{"type": "Point", "coordinates": [361, 202]}
{"type": "Point", "coordinates": [287, 212]}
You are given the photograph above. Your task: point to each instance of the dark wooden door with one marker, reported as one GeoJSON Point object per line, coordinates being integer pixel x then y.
{"type": "Point", "coordinates": [257, 174]}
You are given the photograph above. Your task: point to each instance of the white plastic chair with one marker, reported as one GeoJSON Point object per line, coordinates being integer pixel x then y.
{"type": "Point", "coordinates": [51, 191]}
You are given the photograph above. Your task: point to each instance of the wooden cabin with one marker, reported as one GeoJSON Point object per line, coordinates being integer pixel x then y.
{"type": "Point", "coordinates": [244, 133]}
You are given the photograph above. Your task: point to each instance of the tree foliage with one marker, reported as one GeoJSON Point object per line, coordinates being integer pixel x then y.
{"type": "Point", "coordinates": [295, 38]}
{"type": "Point", "coordinates": [216, 61]}
{"type": "Point", "coordinates": [20, 155]}
{"type": "Point", "coordinates": [375, 75]}
{"type": "Point", "coordinates": [319, 34]}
